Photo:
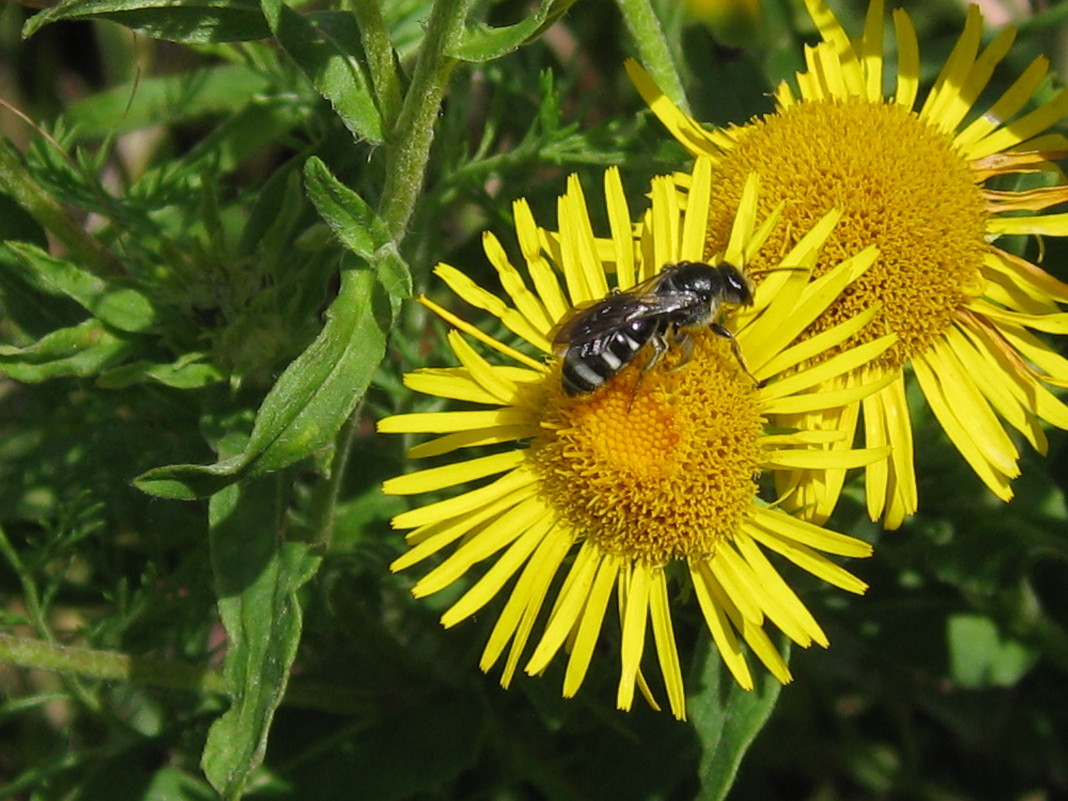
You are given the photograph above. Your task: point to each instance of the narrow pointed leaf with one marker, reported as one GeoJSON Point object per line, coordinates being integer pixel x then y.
{"type": "Point", "coordinates": [190, 21]}
{"type": "Point", "coordinates": [120, 307]}
{"type": "Point", "coordinates": [727, 719]}
{"type": "Point", "coordinates": [257, 575]}
{"type": "Point", "coordinates": [326, 48]}
{"type": "Point", "coordinates": [81, 350]}
{"type": "Point", "coordinates": [481, 42]}
{"type": "Point", "coordinates": [358, 227]}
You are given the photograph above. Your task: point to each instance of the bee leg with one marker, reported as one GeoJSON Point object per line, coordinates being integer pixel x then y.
{"type": "Point", "coordinates": [685, 343]}
{"type": "Point", "coordinates": [660, 347]}
{"type": "Point", "coordinates": [727, 335]}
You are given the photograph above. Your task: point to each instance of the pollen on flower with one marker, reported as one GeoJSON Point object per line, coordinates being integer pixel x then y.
{"type": "Point", "coordinates": [901, 185]}
{"type": "Point", "coordinates": [656, 465]}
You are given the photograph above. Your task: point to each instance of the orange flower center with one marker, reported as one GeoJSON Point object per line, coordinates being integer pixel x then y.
{"type": "Point", "coordinates": [901, 185]}
{"type": "Point", "coordinates": [658, 464]}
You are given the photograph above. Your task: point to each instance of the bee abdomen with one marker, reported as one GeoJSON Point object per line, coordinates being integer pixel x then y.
{"type": "Point", "coordinates": [589, 365]}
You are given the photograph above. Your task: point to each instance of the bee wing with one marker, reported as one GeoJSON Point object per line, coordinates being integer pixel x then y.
{"type": "Point", "coordinates": [594, 319]}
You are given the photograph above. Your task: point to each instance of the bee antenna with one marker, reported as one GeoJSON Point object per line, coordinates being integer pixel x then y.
{"type": "Point", "coordinates": [779, 269]}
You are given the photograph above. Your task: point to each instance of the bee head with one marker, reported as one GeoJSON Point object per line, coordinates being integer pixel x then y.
{"type": "Point", "coordinates": [736, 288]}
{"type": "Point", "coordinates": [723, 283]}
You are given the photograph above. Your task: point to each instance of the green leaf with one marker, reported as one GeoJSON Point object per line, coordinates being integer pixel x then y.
{"type": "Point", "coordinates": [163, 100]}
{"type": "Point", "coordinates": [348, 215]}
{"type": "Point", "coordinates": [358, 227]}
{"type": "Point", "coordinates": [120, 307]}
{"type": "Point", "coordinates": [480, 42]}
{"type": "Point", "coordinates": [189, 372]}
{"type": "Point", "coordinates": [81, 350]}
{"type": "Point", "coordinates": [326, 48]}
{"type": "Point", "coordinates": [727, 719]}
{"type": "Point", "coordinates": [308, 404]}
{"type": "Point", "coordinates": [257, 575]}
{"type": "Point", "coordinates": [190, 21]}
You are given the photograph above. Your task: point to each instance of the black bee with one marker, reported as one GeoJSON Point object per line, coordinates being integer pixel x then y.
{"type": "Point", "coordinates": [598, 340]}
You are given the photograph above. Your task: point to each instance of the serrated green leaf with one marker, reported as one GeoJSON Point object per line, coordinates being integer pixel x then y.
{"type": "Point", "coordinates": [189, 21]}
{"type": "Point", "coordinates": [257, 575]}
{"type": "Point", "coordinates": [121, 307]}
{"type": "Point", "coordinates": [727, 719]}
{"type": "Point", "coordinates": [480, 42]}
{"type": "Point", "coordinates": [308, 404]}
{"type": "Point", "coordinates": [81, 350]}
{"type": "Point", "coordinates": [166, 100]}
{"type": "Point", "coordinates": [326, 48]}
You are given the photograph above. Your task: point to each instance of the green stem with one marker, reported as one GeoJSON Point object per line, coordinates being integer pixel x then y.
{"type": "Point", "coordinates": [36, 612]}
{"type": "Point", "coordinates": [653, 50]}
{"type": "Point", "coordinates": [409, 143]}
{"type": "Point", "coordinates": [324, 500]}
{"type": "Point", "coordinates": [70, 660]}
{"type": "Point", "coordinates": [16, 180]}
{"type": "Point", "coordinates": [411, 137]}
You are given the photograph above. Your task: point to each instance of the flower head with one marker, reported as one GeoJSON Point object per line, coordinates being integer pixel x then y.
{"type": "Point", "coordinates": [657, 467]}
{"type": "Point", "coordinates": [915, 180]}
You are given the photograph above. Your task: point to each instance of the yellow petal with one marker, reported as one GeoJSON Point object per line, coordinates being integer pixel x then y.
{"type": "Point", "coordinates": [568, 607]}
{"type": "Point", "coordinates": [481, 336]}
{"type": "Point", "coordinates": [524, 603]}
{"type": "Point", "coordinates": [954, 72]}
{"type": "Point", "coordinates": [781, 602]}
{"type": "Point", "coordinates": [471, 439]}
{"type": "Point", "coordinates": [840, 364]}
{"type": "Point", "coordinates": [958, 432]}
{"type": "Point", "coordinates": [503, 568]}
{"type": "Point", "coordinates": [695, 225]}
{"type": "Point", "coordinates": [525, 301]}
{"type": "Point", "coordinates": [430, 538]}
{"type": "Point", "coordinates": [507, 485]}
{"type": "Point", "coordinates": [816, 401]}
{"type": "Point", "coordinates": [711, 599]}
{"type": "Point", "coordinates": [870, 52]}
{"type": "Point", "coordinates": [686, 130]}
{"type": "Point", "coordinates": [666, 651]}
{"type": "Point", "coordinates": [788, 527]}
{"type": "Point", "coordinates": [620, 223]}
{"type": "Point", "coordinates": [493, 381]}
{"type": "Point", "coordinates": [481, 298]}
{"type": "Point", "coordinates": [541, 273]}
{"type": "Point", "coordinates": [635, 614]}
{"type": "Point", "coordinates": [444, 422]}
{"type": "Point", "coordinates": [450, 475]}
{"type": "Point", "coordinates": [590, 625]}
{"type": "Point", "coordinates": [1015, 98]}
{"type": "Point", "coordinates": [794, 459]}
{"type": "Point", "coordinates": [1038, 121]}
{"type": "Point", "coordinates": [809, 560]}
{"type": "Point", "coordinates": [908, 60]}
{"type": "Point", "coordinates": [531, 514]}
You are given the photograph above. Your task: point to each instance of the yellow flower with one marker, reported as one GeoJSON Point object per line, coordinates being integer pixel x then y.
{"type": "Point", "coordinates": [916, 180]}
{"type": "Point", "coordinates": [655, 468]}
